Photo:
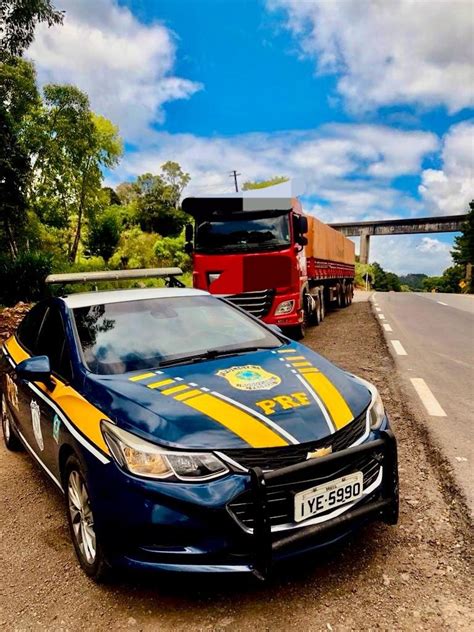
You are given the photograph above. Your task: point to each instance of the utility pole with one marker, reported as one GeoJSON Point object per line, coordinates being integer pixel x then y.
{"type": "Point", "coordinates": [234, 174]}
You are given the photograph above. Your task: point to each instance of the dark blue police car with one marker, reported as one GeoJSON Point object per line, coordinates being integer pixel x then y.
{"type": "Point", "coordinates": [187, 435]}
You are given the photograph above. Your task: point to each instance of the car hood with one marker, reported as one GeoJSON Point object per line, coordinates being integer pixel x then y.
{"type": "Point", "coordinates": [266, 398]}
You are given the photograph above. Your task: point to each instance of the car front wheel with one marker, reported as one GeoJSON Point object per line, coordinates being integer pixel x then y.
{"type": "Point", "coordinates": [81, 523]}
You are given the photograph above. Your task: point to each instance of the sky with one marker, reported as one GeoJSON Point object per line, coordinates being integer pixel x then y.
{"type": "Point", "coordinates": [370, 103]}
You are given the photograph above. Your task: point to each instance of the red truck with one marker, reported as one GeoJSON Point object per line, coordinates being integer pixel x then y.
{"type": "Point", "coordinates": [269, 258]}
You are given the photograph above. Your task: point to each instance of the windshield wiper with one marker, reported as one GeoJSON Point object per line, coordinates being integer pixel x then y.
{"type": "Point", "coordinates": [210, 355]}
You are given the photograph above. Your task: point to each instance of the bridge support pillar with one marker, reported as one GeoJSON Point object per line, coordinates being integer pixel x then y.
{"type": "Point", "coordinates": [364, 246]}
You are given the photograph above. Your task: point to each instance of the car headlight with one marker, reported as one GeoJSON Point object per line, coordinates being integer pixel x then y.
{"type": "Point", "coordinates": [376, 410]}
{"type": "Point", "coordinates": [285, 307]}
{"type": "Point", "coordinates": [146, 459]}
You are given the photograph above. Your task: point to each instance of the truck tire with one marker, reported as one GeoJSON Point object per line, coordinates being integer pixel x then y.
{"type": "Point", "coordinates": [340, 296]}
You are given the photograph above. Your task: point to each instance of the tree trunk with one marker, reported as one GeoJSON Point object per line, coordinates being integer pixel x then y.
{"type": "Point", "coordinates": [82, 199]}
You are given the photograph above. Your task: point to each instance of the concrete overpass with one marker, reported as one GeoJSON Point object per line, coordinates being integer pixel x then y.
{"type": "Point", "coordinates": [364, 230]}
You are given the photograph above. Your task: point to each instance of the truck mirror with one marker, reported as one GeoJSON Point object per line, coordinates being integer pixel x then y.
{"type": "Point", "coordinates": [188, 232]}
{"type": "Point", "coordinates": [188, 247]}
{"type": "Point", "coordinates": [303, 225]}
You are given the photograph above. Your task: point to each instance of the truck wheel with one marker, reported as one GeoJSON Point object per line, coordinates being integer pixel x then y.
{"type": "Point", "coordinates": [340, 300]}
{"type": "Point", "coordinates": [314, 317]}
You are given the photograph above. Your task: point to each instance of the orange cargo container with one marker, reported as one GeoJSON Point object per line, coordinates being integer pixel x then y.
{"type": "Point", "coordinates": [327, 244]}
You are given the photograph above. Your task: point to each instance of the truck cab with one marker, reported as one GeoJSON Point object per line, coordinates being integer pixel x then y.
{"type": "Point", "coordinates": [251, 250]}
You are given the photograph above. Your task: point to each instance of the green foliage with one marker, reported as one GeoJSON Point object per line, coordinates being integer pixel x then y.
{"type": "Point", "coordinates": [157, 199]}
{"type": "Point", "coordinates": [136, 249]}
{"type": "Point", "coordinates": [169, 251]}
{"type": "Point", "coordinates": [22, 278]}
{"type": "Point", "coordinates": [18, 19]}
{"type": "Point", "coordinates": [463, 251]}
{"type": "Point", "coordinates": [448, 282]}
{"type": "Point", "coordinates": [360, 270]}
{"type": "Point", "coordinates": [263, 184]}
{"type": "Point", "coordinates": [413, 281]}
{"type": "Point", "coordinates": [384, 281]}
{"type": "Point", "coordinates": [104, 234]}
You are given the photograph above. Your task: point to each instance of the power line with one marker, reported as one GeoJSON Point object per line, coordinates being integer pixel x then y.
{"type": "Point", "coordinates": [234, 174]}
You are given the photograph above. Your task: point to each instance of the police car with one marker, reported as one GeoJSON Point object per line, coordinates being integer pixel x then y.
{"type": "Point", "coordinates": [187, 435]}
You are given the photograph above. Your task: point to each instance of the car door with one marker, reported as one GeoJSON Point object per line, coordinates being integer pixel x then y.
{"type": "Point", "coordinates": [45, 410]}
{"type": "Point", "coordinates": [18, 393]}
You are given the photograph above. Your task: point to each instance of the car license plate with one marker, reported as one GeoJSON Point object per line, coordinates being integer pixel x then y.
{"type": "Point", "coordinates": [332, 494]}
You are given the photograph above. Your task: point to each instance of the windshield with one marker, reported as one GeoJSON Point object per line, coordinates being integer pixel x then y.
{"type": "Point", "coordinates": [132, 335]}
{"type": "Point", "coordinates": [243, 233]}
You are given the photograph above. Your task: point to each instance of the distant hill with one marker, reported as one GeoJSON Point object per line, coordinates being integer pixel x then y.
{"type": "Point", "coordinates": [414, 281]}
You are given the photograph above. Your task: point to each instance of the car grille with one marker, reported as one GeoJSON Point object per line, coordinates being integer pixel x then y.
{"type": "Point", "coordinates": [256, 303]}
{"type": "Point", "coordinates": [280, 497]}
{"type": "Point", "coordinates": [276, 458]}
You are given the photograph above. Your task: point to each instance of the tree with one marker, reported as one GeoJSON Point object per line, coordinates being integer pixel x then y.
{"type": "Point", "coordinates": [385, 281]}
{"type": "Point", "coordinates": [158, 198]}
{"type": "Point", "coordinates": [104, 234]}
{"type": "Point", "coordinates": [18, 19]}
{"type": "Point", "coordinates": [14, 174]}
{"type": "Point", "coordinates": [75, 144]}
{"type": "Point", "coordinates": [263, 184]}
{"type": "Point", "coordinates": [463, 251]}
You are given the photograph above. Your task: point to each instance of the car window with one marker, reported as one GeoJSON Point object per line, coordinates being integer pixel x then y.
{"type": "Point", "coordinates": [52, 342]}
{"type": "Point", "coordinates": [30, 326]}
{"type": "Point", "coordinates": [122, 337]}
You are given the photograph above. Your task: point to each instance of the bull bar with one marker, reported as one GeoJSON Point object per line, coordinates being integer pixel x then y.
{"type": "Point", "coordinates": [384, 508]}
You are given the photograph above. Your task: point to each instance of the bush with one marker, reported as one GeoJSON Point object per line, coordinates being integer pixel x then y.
{"type": "Point", "coordinates": [169, 252]}
{"type": "Point", "coordinates": [23, 278]}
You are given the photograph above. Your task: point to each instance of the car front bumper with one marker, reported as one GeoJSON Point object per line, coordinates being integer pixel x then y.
{"type": "Point", "coordinates": [193, 527]}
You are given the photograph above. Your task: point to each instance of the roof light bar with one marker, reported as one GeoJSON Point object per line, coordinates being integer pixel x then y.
{"type": "Point", "coordinates": [112, 275]}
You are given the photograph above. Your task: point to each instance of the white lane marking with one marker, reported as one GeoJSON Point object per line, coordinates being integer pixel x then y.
{"type": "Point", "coordinates": [377, 309]}
{"type": "Point", "coordinates": [387, 327]}
{"type": "Point", "coordinates": [441, 303]}
{"type": "Point", "coordinates": [397, 345]}
{"type": "Point", "coordinates": [381, 316]}
{"type": "Point", "coordinates": [430, 402]}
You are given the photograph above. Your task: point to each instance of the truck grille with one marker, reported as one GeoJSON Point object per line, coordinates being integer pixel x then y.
{"type": "Point", "coordinates": [276, 458]}
{"type": "Point", "coordinates": [280, 496]}
{"type": "Point", "coordinates": [256, 303]}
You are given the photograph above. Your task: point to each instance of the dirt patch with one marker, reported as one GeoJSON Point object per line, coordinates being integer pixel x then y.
{"type": "Point", "coordinates": [414, 576]}
{"type": "Point", "coordinates": [10, 318]}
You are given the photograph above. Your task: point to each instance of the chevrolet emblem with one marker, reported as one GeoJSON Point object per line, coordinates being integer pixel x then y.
{"type": "Point", "coordinates": [316, 454]}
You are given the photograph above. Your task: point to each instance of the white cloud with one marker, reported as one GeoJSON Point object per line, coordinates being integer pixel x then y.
{"type": "Point", "coordinates": [125, 66]}
{"type": "Point", "coordinates": [447, 191]}
{"type": "Point", "coordinates": [390, 51]}
{"type": "Point", "coordinates": [347, 167]}
{"type": "Point", "coordinates": [404, 254]}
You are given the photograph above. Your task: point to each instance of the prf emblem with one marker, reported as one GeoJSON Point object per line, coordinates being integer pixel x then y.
{"type": "Point", "coordinates": [317, 454]}
{"type": "Point", "coordinates": [249, 378]}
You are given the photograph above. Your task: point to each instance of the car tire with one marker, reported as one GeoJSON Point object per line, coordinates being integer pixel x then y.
{"type": "Point", "coordinates": [80, 519]}
{"type": "Point", "coordinates": [12, 442]}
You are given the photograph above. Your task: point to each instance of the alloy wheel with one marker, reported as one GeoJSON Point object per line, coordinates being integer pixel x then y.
{"type": "Point", "coordinates": [82, 519]}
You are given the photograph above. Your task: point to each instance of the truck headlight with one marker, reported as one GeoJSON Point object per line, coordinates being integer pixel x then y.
{"type": "Point", "coordinates": [143, 458]}
{"type": "Point", "coordinates": [285, 307]}
{"type": "Point", "coordinates": [376, 410]}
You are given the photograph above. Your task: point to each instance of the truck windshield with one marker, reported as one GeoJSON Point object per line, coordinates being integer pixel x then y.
{"type": "Point", "coordinates": [259, 232]}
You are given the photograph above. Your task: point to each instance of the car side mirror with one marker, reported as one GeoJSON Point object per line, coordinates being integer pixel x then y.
{"type": "Point", "coordinates": [35, 369]}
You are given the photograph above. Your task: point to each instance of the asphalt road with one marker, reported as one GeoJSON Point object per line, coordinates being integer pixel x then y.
{"type": "Point", "coordinates": [432, 339]}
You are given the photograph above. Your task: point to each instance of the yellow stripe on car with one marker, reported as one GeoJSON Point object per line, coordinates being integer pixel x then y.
{"type": "Point", "coordinates": [175, 389]}
{"type": "Point", "coordinates": [143, 376]}
{"type": "Point", "coordinates": [160, 383]}
{"type": "Point", "coordinates": [331, 397]}
{"type": "Point", "coordinates": [248, 428]}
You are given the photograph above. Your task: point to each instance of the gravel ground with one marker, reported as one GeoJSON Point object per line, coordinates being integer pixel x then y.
{"type": "Point", "coordinates": [414, 576]}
